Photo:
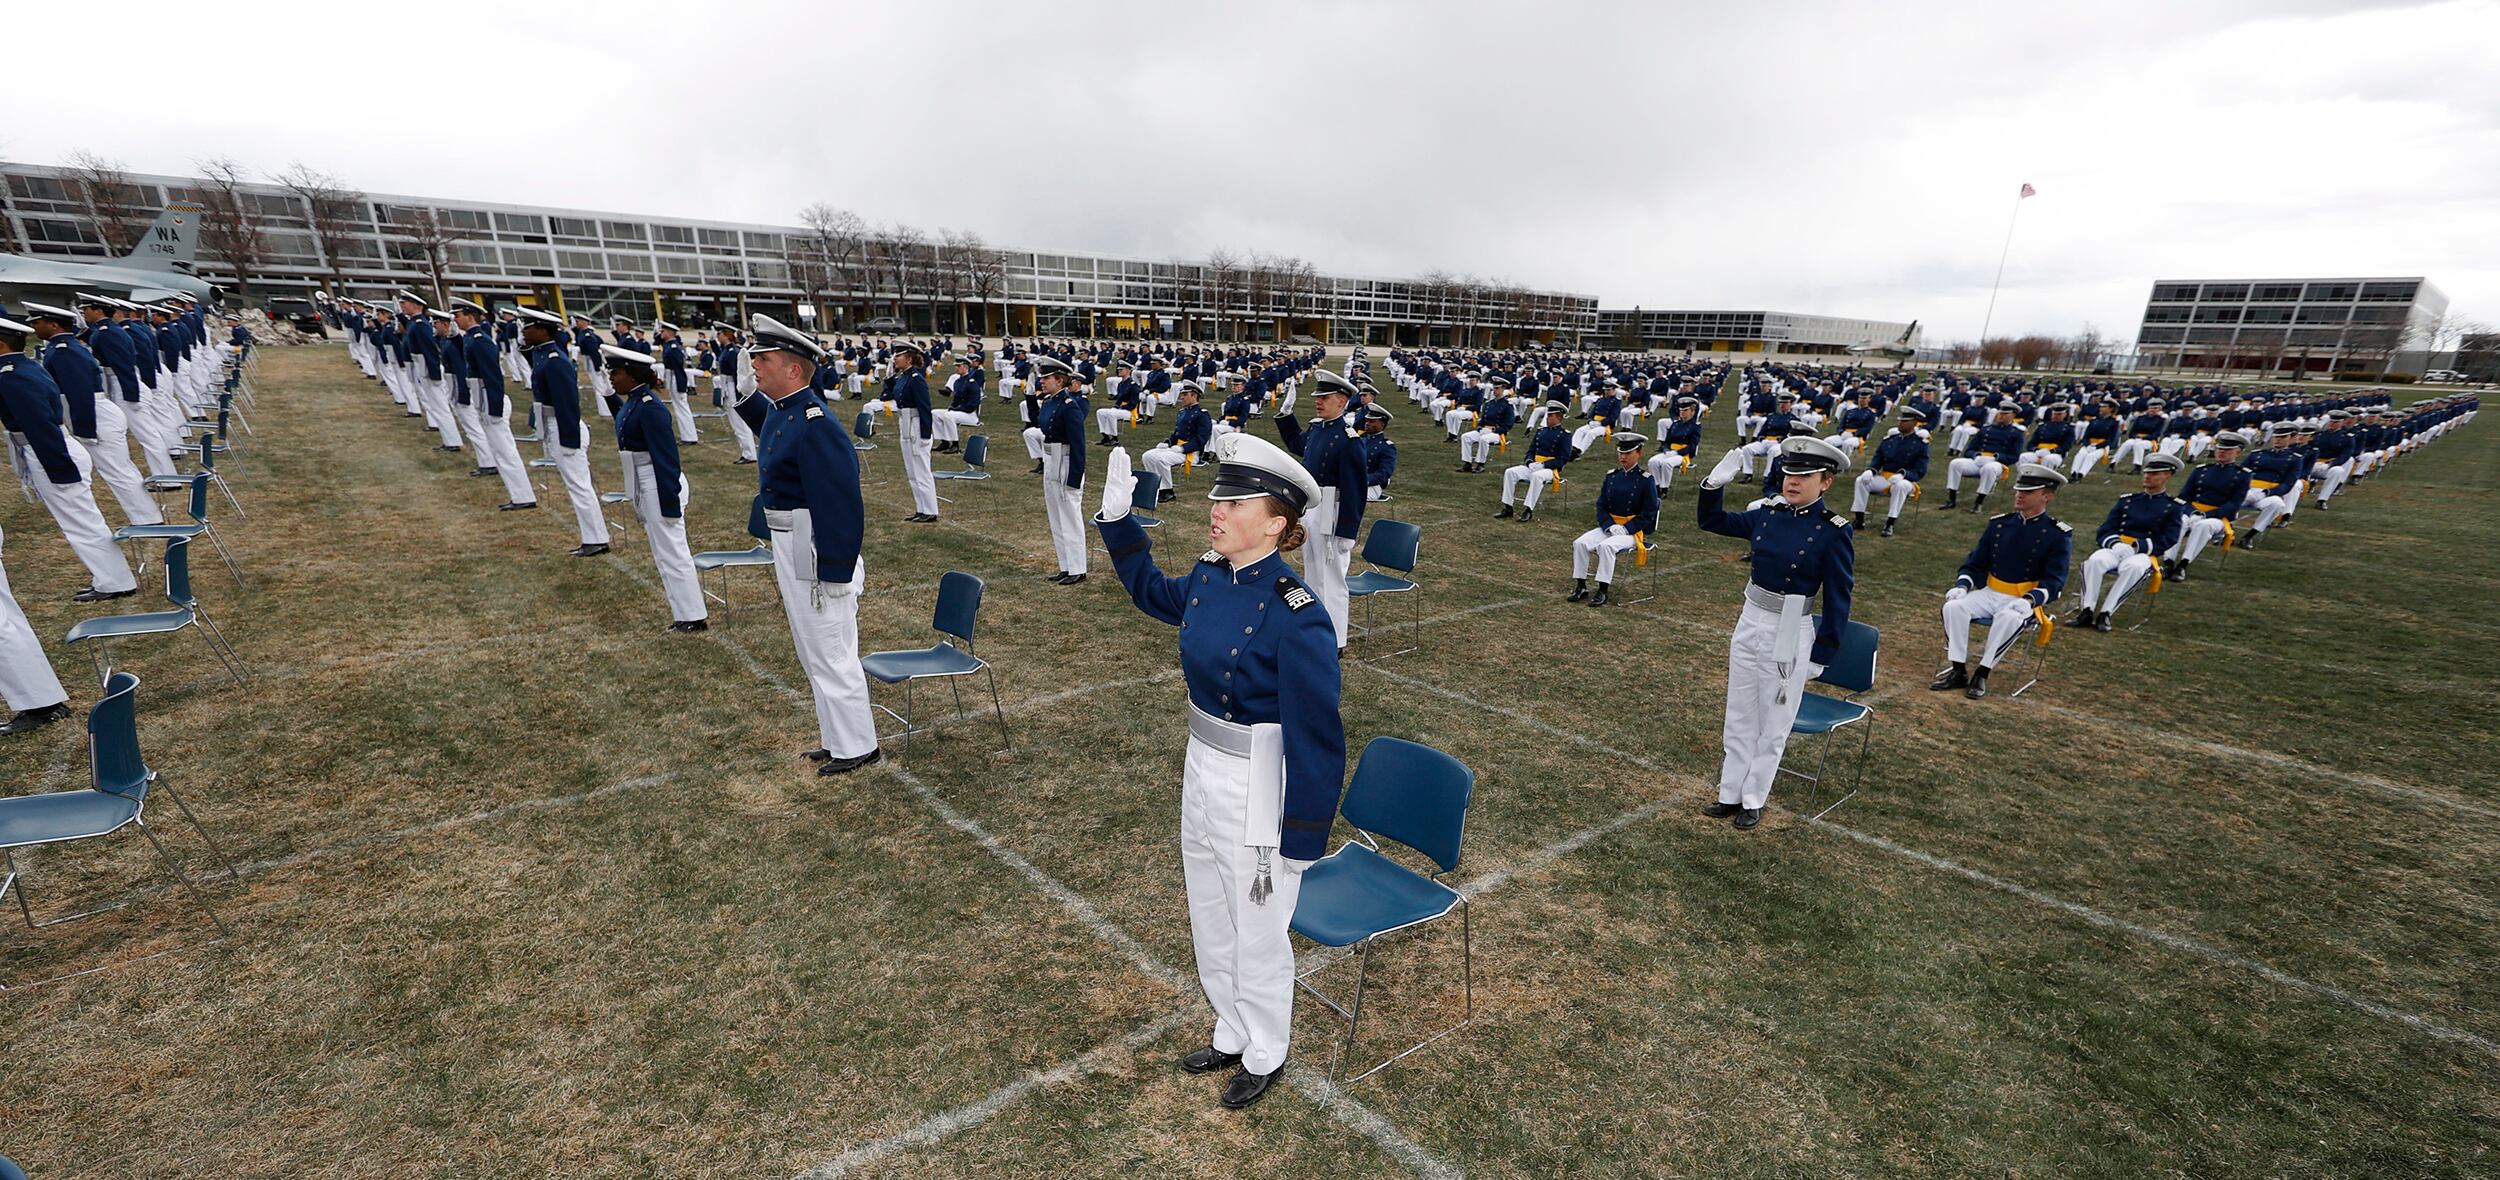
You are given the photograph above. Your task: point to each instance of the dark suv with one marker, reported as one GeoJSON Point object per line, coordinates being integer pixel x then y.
{"type": "Point", "coordinates": [884, 325]}
{"type": "Point", "coordinates": [299, 312]}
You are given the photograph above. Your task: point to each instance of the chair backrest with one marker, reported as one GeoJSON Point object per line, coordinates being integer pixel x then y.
{"type": "Point", "coordinates": [958, 605]}
{"type": "Point", "coordinates": [113, 740]}
{"type": "Point", "coordinates": [9, 1169]}
{"type": "Point", "coordinates": [1413, 794]}
{"type": "Point", "coordinates": [865, 424]}
{"type": "Point", "coordinates": [199, 496]}
{"type": "Point", "coordinates": [977, 451]}
{"type": "Point", "coordinates": [208, 453]}
{"type": "Point", "coordinates": [1149, 492]}
{"type": "Point", "coordinates": [178, 571]}
{"type": "Point", "coordinates": [1853, 667]}
{"type": "Point", "coordinates": [1392, 544]}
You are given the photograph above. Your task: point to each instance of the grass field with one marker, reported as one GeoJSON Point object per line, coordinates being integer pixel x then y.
{"type": "Point", "coordinates": [531, 889]}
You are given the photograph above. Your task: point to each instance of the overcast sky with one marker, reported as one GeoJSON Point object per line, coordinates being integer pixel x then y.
{"type": "Point", "coordinates": [1848, 159]}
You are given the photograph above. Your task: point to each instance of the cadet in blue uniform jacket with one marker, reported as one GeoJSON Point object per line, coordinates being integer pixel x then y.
{"type": "Point", "coordinates": [1332, 451]}
{"type": "Point", "coordinates": [1259, 654]}
{"type": "Point", "coordinates": [1062, 419]}
{"type": "Point", "coordinates": [1627, 513]}
{"type": "Point", "coordinates": [1191, 432]}
{"type": "Point", "coordinates": [908, 393]}
{"type": "Point", "coordinates": [555, 386]}
{"type": "Point", "coordinates": [646, 441]}
{"type": "Point", "coordinates": [2018, 567]}
{"type": "Point", "coordinates": [1380, 454]}
{"type": "Point", "coordinates": [808, 508]}
{"type": "Point", "coordinates": [2141, 526]}
{"type": "Point", "coordinates": [54, 469]}
{"type": "Point", "coordinates": [2215, 493]}
{"type": "Point", "coordinates": [1549, 450]}
{"type": "Point", "coordinates": [1799, 548]}
{"type": "Point", "coordinates": [1899, 462]}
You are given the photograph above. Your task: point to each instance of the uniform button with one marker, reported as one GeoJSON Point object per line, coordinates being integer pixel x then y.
{"type": "Point", "coordinates": [1236, 651]}
{"type": "Point", "coordinates": [1193, 602]}
{"type": "Point", "coordinates": [1225, 697]}
{"type": "Point", "coordinates": [1247, 630]}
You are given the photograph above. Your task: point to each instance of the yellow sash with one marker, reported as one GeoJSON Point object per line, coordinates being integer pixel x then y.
{"type": "Point", "coordinates": [1680, 448]}
{"type": "Point", "coordinates": [1640, 541]}
{"type": "Point", "coordinates": [2011, 589]}
{"type": "Point", "coordinates": [2265, 483]}
{"type": "Point", "coordinates": [2039, 614]}
{"type": "Point", "coordinates": [1540, 458]}
{"type": "Point", "coordinates": [2203, 507]}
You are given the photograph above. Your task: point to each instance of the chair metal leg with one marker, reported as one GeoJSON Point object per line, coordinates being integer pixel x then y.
{"type": "Point", "coordinates": [183, 876]}
{"type": "Point", "coordinates": [11, 881]}
{"type": "Point", "coordinates": [220, 543]}
{"type": "Point", "coordinates": [1005, 740]}
{"type": "Point", "coordinates": [957, 683]}
{"type": "Point", "coordinates": [224, 650]}
{"type": "Point", "coordinates": [231, 502]}
{"type": "Point", "coordinates": [199, 827]}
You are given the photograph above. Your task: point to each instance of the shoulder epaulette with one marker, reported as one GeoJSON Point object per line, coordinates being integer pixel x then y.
{"type": "Point", "coordinates": [2064, 527]}
{"type": "Point", "coordinates": [1297, 596]}
{"type": "Point", "coordinates": [1838, 521]}
{"type": "Point", "coordinates": [814, 412]}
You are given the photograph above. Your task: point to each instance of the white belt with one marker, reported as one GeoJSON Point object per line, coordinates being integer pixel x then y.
{"type": "Point", "coordinates": [1226, 736]}
{"type": "Point", "coordinates": [781, 520]}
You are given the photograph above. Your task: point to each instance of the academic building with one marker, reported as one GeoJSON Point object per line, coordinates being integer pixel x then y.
{"type": "Point", "coordinates": [1768, 332]}
{"type": "Point", "coordinates": [2281, 326]}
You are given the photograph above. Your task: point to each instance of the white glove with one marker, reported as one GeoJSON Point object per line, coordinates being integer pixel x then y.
{"type": "Point", "coordinates": [1118, 486]}
{"type": "Point", "coordinates": [1730, 462]}
{"type": "Point", "coordinates": [1616, 530]}
{"type": "Point", "coordinates": [1955, 594]}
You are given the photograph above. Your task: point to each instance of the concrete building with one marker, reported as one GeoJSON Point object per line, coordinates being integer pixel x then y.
{"type": "Point", "coordinates": [693, 270]}
{"type": "Point", "coordinates": [2267, 327]}
{"type": "Point", "coordinates": [1768, 332]}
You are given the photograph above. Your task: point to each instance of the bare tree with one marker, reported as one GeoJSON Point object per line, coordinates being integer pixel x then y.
{"type": "Point", "coordinates": [109, 200]}
{"type": "Point", "coordinates": [2441, 332]}
{"type": "Point", "coordinates": [904, 262]}
{"type": "Point", "coordinates": [428, 244]}
{"type": "Point", "coordinates": [1997, 352]}
{"type": "Point", "coordinates": [1961, 352]}
{"type": "Point", "coordinates": [331, 209]}
{"type": "Point", "coordinates": [1226, 279]}
{"type": "Point", "coordinates": [2083, 349]}
{"type": "Point", "coordinates": [987, 277]}
{"type": "Point", "coordinates": [952, 274]}
{"type": "Point", "coordinates": [230, 229]}
{"type": "Point", "coordinates": [2377, 340]}
{"type": "Point", "coordinates": [840, 239]}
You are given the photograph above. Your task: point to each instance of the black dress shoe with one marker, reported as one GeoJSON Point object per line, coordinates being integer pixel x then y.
{"type": "Point", "coordinates": [1506, 513]}
{"type": "Point", "coordinates": [1579, 591]}
{"type": "Point", "coordinates": [1057, 576]}
{"type": "Point", "coordinates": [1721, 810]}
{"type": "Point", "coordinates": [1600, 600]}
{"type": "Point", "coordinates": [819, 754]}
{"type": "Point", "coordinates": [516, 506]}
{"type": "Point", "coordinates": [586, 550]}
{"type": "Point", "coordinates": [1071, 579]}
{"type": "Point", "coordinates": [1037, 468]}
{"type": "Point", "coordinates": [91, 594]}
{"type": "Point", "coordinates": [453, 449]}
{"type": "Point", "coordinates": [689, 626]}
{"type": "Point", "coordinates": [1978, 689]}
{"type": "Point", "coordinates": [2100, 622]}
{"type": "Point", "coordinates": [742, 462]}
{"type": "Point", "coordinates": [1951, 678]}
{"type": "Point", "coordinates": [847, 765]}
{"type": "Point", "coordinates": [29, 720]}
{"type": "Point", "coordinates": [1748, 818]}
{"type": "Point", "coordinates": [1247, 1087]}
{"type": "Point", "coordinates": [2080, 616]}
{"type": "Point", "coordinates": [475, 472]}
{"type": "Point", "coordinates": [1888, 525]}
{"type": "Point", "coordinates": [1209, 1060]}
{"type": "Point", "coordinates": [1526, 515]}
{"type": "Point", "coordinates": [1166, 496]}
{"type": "Point", "coordinates": [2179, 575]}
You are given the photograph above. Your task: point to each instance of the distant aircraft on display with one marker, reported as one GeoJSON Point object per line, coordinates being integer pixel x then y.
{"type": "Point", "coordinates": [1900, 349]}
{"type": "Point", "coordinates": [161, 265]}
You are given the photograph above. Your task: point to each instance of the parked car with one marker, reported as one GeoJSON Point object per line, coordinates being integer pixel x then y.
{"type": "Point", "coordinates": [2445, 376]}
{"type": "Point", "coordinates": [299, 312]}
{"type": "Point", "coordinates": [884, 325]}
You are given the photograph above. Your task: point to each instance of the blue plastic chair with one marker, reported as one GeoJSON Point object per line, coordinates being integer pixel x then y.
{"type": "Point", "coordinates": [1391, 545]}
{"type": "Point", "coordinates": [209, 449]}
{"type": "Point", "coordinates": [186, 613]}
{"type": "Point", "coordinates": [861, 428]}
{"type": "Point", "coordinates": [958, 609]}
{"type": "Point", "coordinates": [9, 1169]}
{"type": "Point", "coordinates": [116, 797]}
{"type": "Point", "coordinates": [199, 525]}
{"type": "Point", "coordinates": [1416, 796]}
{"type": "Point", "coordinates": [1852, 671]}
{"type": "Point", "coordinates": [716, 559]}
{"type": "Point", "coordinates": [976, 460]}
{"type": "Point", "coordinates": [1147, 500]}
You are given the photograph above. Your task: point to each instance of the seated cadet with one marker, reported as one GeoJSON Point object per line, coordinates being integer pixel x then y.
{"type": "Point", "coordinates": [2332, 456]}
{"type": "Point", "coordinates": [2099, 435]}
{"type": "Point", "coordinates": [1236, 411]}
{"type": "Point", "coordinates": [2017, 569]}
{"type": "Point", "coordinates": [1547, 453]}
{"type": "Point", "coordinates": [2273, 479]}
{"type": "Point", "coordinates": [1857, 424]}
{"type": "Point", "coordinates": [1998, 446]}
{"type": "Point", "coordinates": [1677, 441]}
{"type": "Point", "coordinates": [1900, 462]}
{"type": "Point", "coordinates": [2144, 432]}
{"type": "Point", "coordinates": [1380, 455]}
{"type": "Point", "coordinates": [2051, 439]}
{"type": "Point", "coordinates": [1757, 410]}
{"type": "Point", "coordinates": [1127, 394]}
{"type": "Point", "coordinates": [1974, 415]}
{"type": "Point", "coordinates": [1627, 512]}
{"type": "Point", "coordinates": [1467, 403]}
{"type": "Point", "coordinates": [1768, 434]}
{"type": "Point", "coordinates": [1191, 432]}
{"type": "Point", "coordinates": [2140, 527]}
{"type": "Point", "coordinates": [1603, 410]}
{"type": "Point", "coordinates": [2215, 493]}
{"type": "Point", "coordinates": [1493, 423]}
{"type": "Point", "coordinates": [2181, 427]}
{"type": "Point", "coordinates": [963, 405]}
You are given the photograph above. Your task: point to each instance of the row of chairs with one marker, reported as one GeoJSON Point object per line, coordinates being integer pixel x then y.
{"type": "Point", "coordinates": [184, 611]}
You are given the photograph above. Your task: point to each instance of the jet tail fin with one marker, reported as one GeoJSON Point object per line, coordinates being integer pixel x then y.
{"type": "Point", "coordinates": [170, 244]}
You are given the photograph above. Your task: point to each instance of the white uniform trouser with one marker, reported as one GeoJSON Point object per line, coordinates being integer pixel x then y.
{"type": "Point", "coordinates": [678, 411]}
{"type": "Point", "coordinates": [2199, 443]}
{"type": "Point", "coordinates": [824, 626]}
{"type": "Point", "coordinates": [2270, 503]}
{"type": "Point", "coordinates": [1895, 487]}
{"type": "Point", "coordinates": [1476, 446]}
{"type": "Point", "coordinates": [438, 408]}
{"type": "Point", "coordinates": [395, 380]}
{"type": "Point", "coordinates": [2005, 613]}
{"type": "Point", "coordinates": [2131, 451]}
{"type": "Point", "coordinates": [1961, 436]}
{"type": "Point", "coordinates": [1761, 705]}
{"type": "Point", "coordinates": [2088, 458]}
{"type": "Point", "coordinates": [26, 677]}
{"type": "Point", "coordinates": [738, 429]}
{"type": "Point", "coordinates": [1599, 547]}
{"type": "Point", "coordinates": [2334, 481]}
{"type": "Point", "coordinates": [1664, 465]}
{"type": "Point", "coordinates": [141, 427]}
{"type": "Point", "coordinates": [2116, 557]}
{"type": "Point", "coordinates": [1986, 467]}
{"type": "Point", "coordinates": [949, 424]}
{"type": "Point", "coordinates": [110, 455]}
{"type": "Point", "coordinates": [1161, 460]}
{"type": "Point", "coordinates": [2198, 532]}
{"type": "Point", "coordinates": [1110, 420]}
{"type": "Point", "coordinates": [2172, 444]}
{"type": "Point", "coordinates": [573, 466]}
{"type": "Point", "coordinates": [2044, 457]}
{"type": "Point", "coordinates": [1244, 950]}
{"type": "Point", "coordinates": [470, 427]}
{"type": "Point", "coordinates": [1324, 561]}
{"type": "Point", "coordinates": [1458, 419]}
{"type": "Point", "coordinates": [916, 474]}
{"type": "Point", "coordinates": [1587, 436]}
{"type": "Point", "coordinates": [82, 524]}
{"type": "Point", "coordinates": [678, 579]}
{"type": "Point", "coordinates": [497, 449]}
{"type": "Point", "coordinates": [1761, 449]}
{"type": "Point", "coordinates": [1063, 510]}
{"type": "Point", "coordinates": [1748, 424]}
{"type": "Point", "coordinates": [600, 386]}
{"type": "Point", "coordinates": [1537, 476]}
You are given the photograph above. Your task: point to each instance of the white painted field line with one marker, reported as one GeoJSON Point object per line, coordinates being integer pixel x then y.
{"type": "Point", "coordinates": [2096, 917]}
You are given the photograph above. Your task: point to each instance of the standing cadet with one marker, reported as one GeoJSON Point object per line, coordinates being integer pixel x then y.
{"type": "Point", "coordinates": [2013, 573]}
{"type": "Point", "coordinates": [425, 372]}
{"type": "Point", "coordinates": [555, 386]}
{"type": "Point", "coordinates": [2140, 527]}
{"type": "Point", "coordinates": [497, 452]}
{"type": "Point", "coordinates": [585, 343]}
{"type": "Point", "coordinates": [732, 380]}
{"type": "Point", "coordinates": [646, 443]}
{"type": "Point", "coordinates": [1900, 462]}
{"type": "Point", "coordinates": [1062, 421]}
{"type": "Point", "coordinates": [1266, 758]}
{"type": "Point", "coordinates": [1627, 512]}
{"type": "Point", "coordinates": [672, 361]}
{"type": "Point", "coordinates": [1799, 549]}
{"type": "Point", "coordinates": [122, 391]}
{"type": "Point", "coordinates": [1332, 451]}
{"type": "Point", "coordinates": [917, 428]}
{"type": "Point", "coordinates": [808, 508]}
{"type": "Point", "coordinates": [55, 471]}
{"type": "Point", "coordinates": [95, 421]}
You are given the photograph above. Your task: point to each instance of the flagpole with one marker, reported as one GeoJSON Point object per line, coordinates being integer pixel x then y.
{"type": "Point", "coordinates": [2000, 279]}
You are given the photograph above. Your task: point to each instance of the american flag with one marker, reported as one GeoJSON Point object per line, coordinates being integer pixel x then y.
{"type": "Point", "coordinates": [2028, 191]}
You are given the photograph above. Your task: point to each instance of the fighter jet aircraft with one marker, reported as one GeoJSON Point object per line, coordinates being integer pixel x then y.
{"type": "Point", "coordinates": [161, 265]}
{"type": "Point", "coordinates": [1899, 349]}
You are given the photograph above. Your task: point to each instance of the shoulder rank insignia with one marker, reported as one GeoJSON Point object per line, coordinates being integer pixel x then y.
{"type": "Point", "coordinates": [2064, 527]}
{"type": "Point", "coordinates": [1296, 595]}
{"type": "Point", "coordinates": [1838, 521]}
{"type": "Point", "coordinates": [814, 412]}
